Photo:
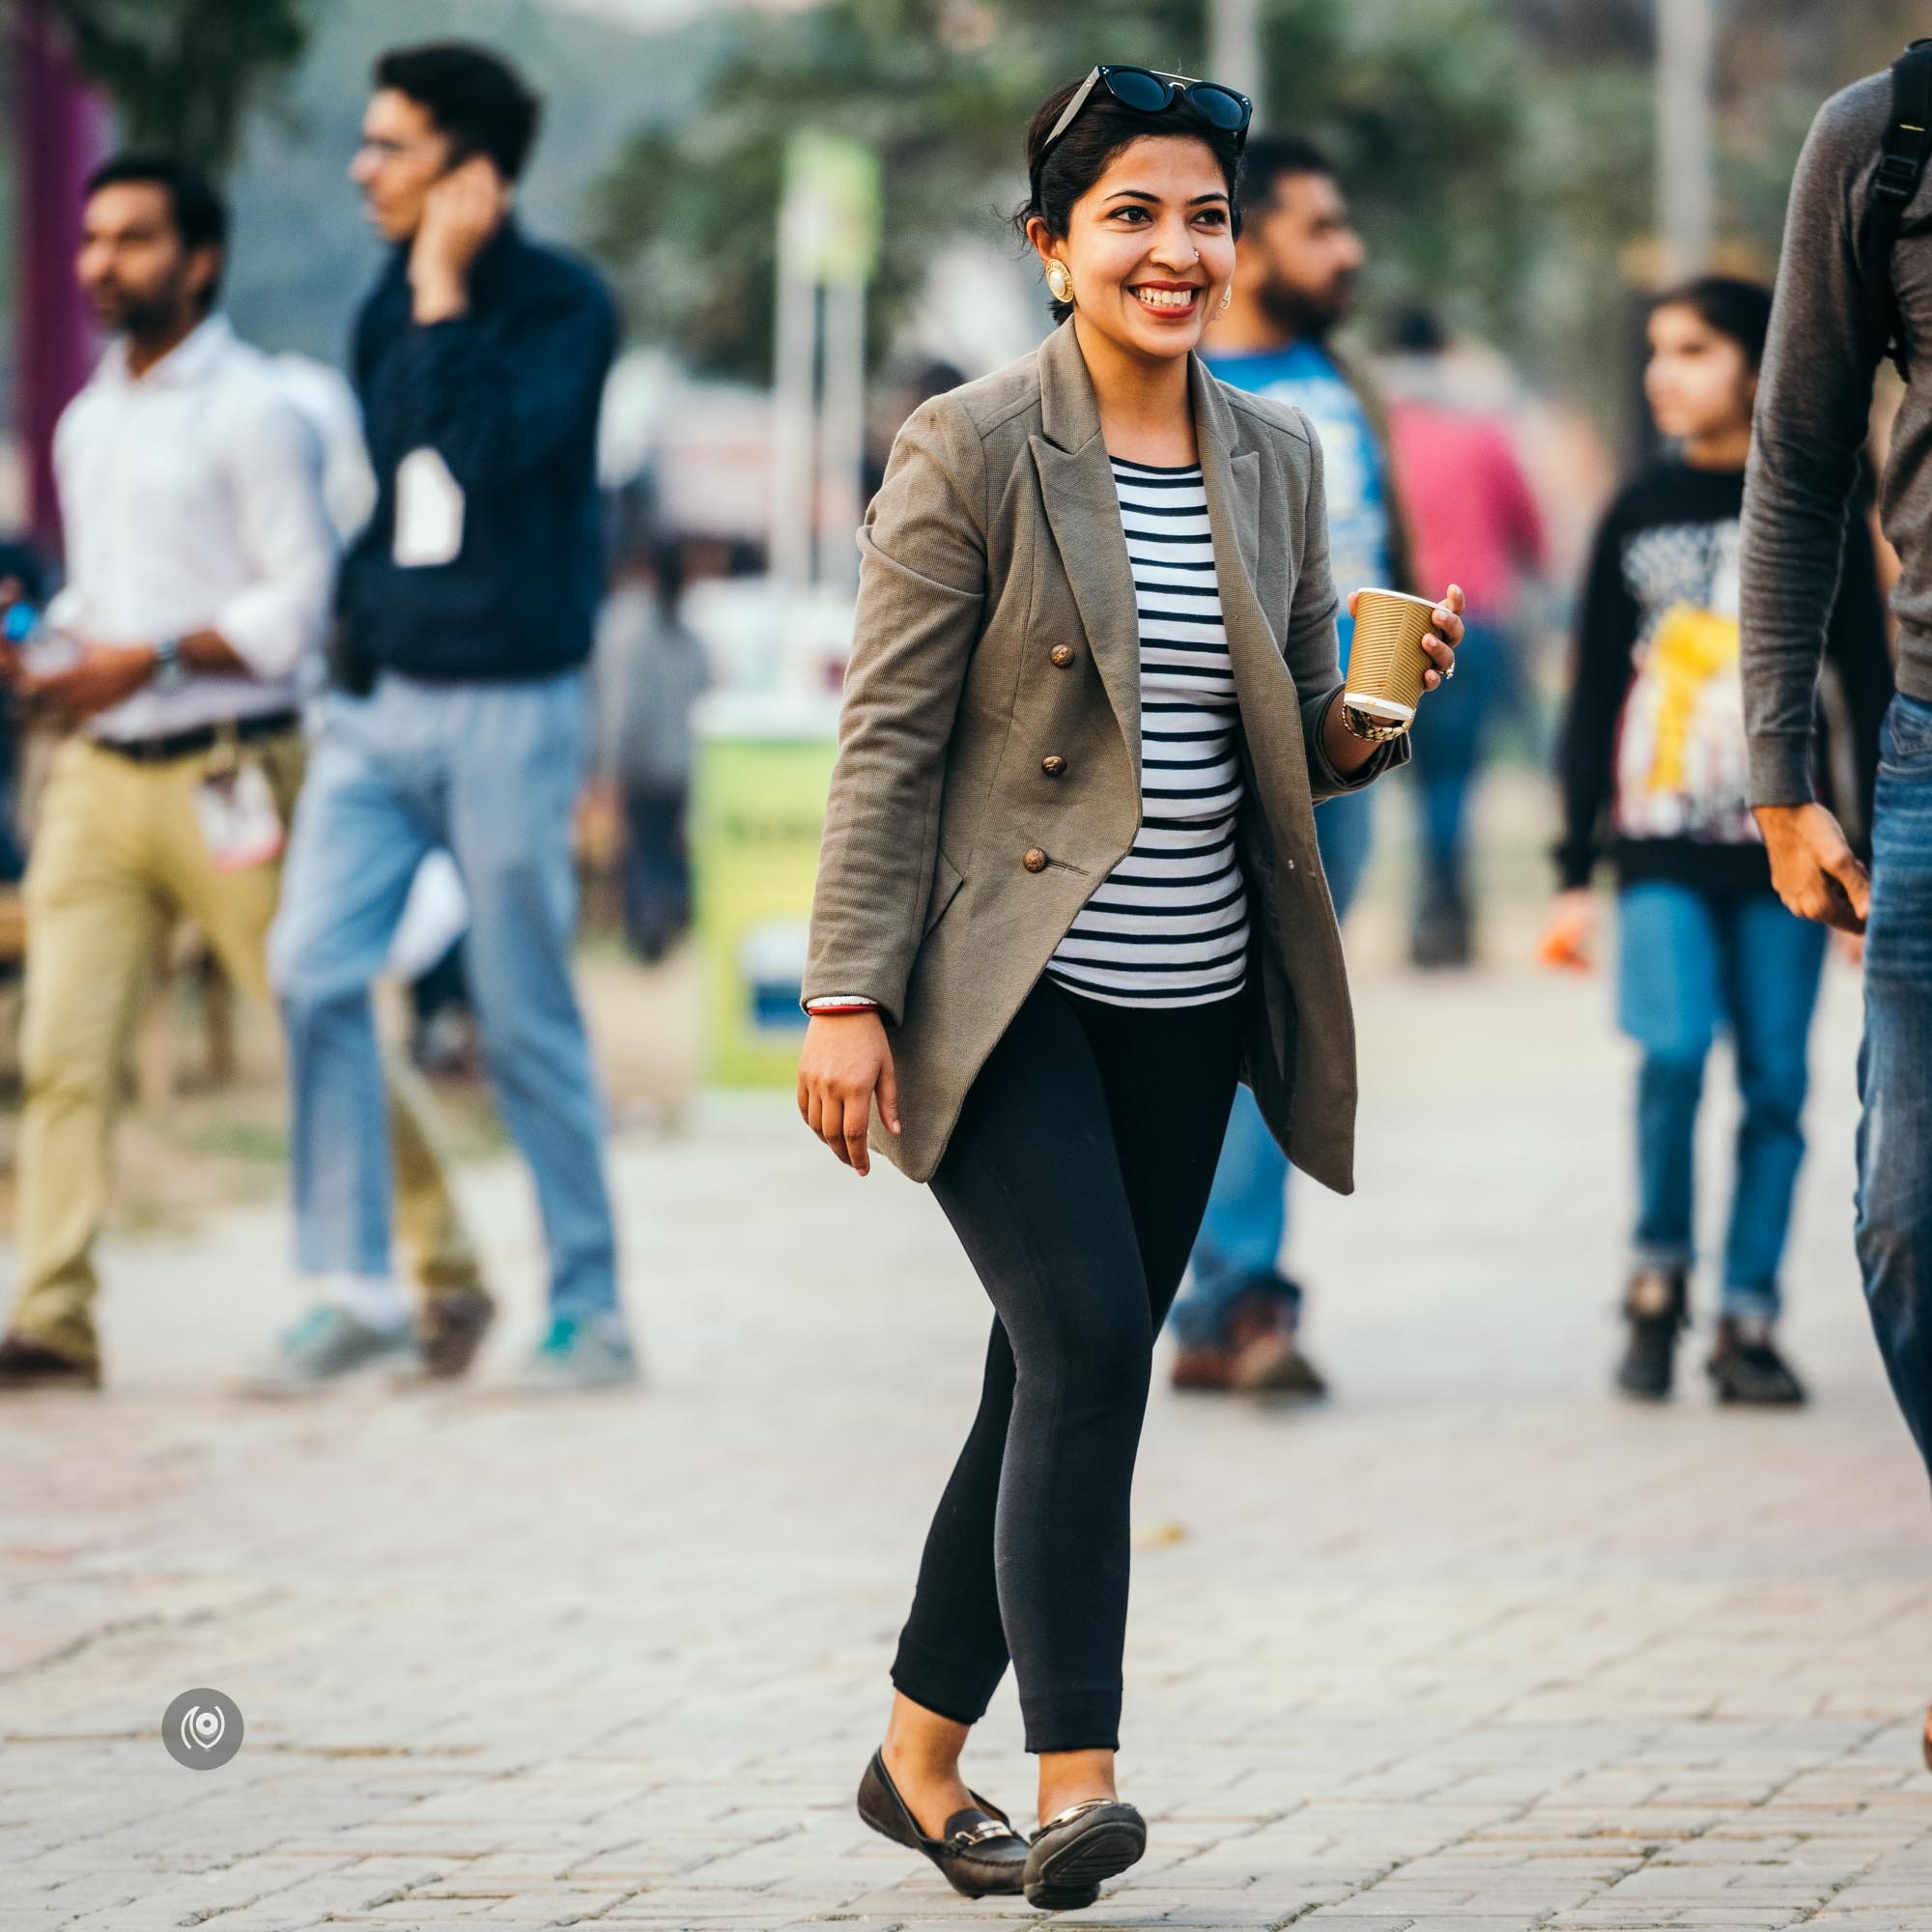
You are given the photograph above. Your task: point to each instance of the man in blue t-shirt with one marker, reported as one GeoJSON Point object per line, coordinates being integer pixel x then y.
{"type": "Point", "coordinates": [1294, 283]}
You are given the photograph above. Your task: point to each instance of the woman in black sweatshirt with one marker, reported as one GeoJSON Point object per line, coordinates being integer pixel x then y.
{"type": "Point", "coordinates": [1653, 773]}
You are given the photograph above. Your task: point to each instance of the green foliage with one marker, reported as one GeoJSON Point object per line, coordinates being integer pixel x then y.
{"type": "Point", "coordinates": [1423, 107]}
{"type": "Point", "coordinates": [182, 73]}
{"type": "Point", "coordinates": [942, 89]}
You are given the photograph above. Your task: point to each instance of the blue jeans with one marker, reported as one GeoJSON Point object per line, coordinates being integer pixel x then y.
{"type": "Point", "coordinates": [1894, 1224]}
{"type": "Point", "coordinates": [1449, 753]}
{"type": "Point", "coordinates": [492, 772]}
{"type": "Point", "coordinates": [1238, 1249]}
{"type": "Point", "coordinates": [1688, 963]}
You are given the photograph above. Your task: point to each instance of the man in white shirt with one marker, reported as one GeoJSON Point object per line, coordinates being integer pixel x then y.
{"type": "Point", "coordinates": [200, 570]}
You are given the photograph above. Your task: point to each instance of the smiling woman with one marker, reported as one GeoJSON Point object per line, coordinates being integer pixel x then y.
{"type": "Point", "coordinates": [1067, 882]}
{"type": "Point", "coordinates": [1119, 241]}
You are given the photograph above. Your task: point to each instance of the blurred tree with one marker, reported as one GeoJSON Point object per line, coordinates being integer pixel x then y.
{"type": "Point", "coordinates": [1423, 102]}
{"type": "Point", "coordinates": [182, 73]}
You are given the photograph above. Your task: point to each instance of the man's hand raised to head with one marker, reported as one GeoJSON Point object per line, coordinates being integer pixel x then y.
{"type": "Point", "coordinates": [462, 212]}
{"type": "Point", "coordinates": [1814, 870]}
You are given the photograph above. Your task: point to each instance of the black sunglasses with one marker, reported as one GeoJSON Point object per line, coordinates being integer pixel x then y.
{"type": "Point", "coordinates": [1147, 91]}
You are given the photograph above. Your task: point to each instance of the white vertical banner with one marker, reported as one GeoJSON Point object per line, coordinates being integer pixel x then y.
{"type": "Point", "coordinates": [793, 354]}
{"type": "Point", "coordinates": [1235, 48]}
{"type": "Point", "coordinates": [1687, 45]}
{"type": "Point", "coordinates": [841, 436]}
{"type": "Point", "coordinates": [829, 241]}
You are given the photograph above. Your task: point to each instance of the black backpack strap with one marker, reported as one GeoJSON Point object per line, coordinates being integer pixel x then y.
{"type": "Point", "coordinates": [1908, 141]}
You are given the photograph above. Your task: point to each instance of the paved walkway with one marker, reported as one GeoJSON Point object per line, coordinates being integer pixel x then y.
{"type": "Point", "coordinates": [1472, 1647]}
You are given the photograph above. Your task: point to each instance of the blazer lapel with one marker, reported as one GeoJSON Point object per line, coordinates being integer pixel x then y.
{"type": "Point", "coordinates": [1078, 485]}
{"type": "Point", "coordinates": [1232, 476]}
{"type": "Point", "coordinates": [1270, 719]}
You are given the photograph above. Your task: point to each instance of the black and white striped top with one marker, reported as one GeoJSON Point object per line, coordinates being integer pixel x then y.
{"type": "Point", "coordinates": [1169, 925]}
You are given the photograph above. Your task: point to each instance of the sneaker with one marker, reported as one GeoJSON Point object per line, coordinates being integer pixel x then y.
{"type": "Point", "coordinates": [450, 1328]}
{"type": "Point", "coordinates": [29, 1365]}
{"type": "Point", "coordinates": [1267, 1359]}
{"type": "Point", "coordinates": [325, 1344]}
{"type": "Point", "coordinates": [576, 1354]}
{"type": "Point", "coordinates": [1656, 1305]}
{"type": "Point", "coordinates": [1745, 1366]}
{"type": "Point", "coordinates": [1442, 937]}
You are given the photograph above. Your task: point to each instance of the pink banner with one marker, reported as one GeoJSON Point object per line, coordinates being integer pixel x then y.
{"type": "Point", "coordinates": [59, 129]}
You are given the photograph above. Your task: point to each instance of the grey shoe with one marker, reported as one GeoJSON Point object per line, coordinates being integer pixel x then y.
{"type": "Point", "coordinates": [576, 1354]}
{"type": "Point", "coordinates": [323, 1346]}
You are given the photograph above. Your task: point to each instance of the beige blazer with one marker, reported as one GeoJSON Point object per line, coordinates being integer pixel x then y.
{"type": "Point", "coordinates": [988, 771]}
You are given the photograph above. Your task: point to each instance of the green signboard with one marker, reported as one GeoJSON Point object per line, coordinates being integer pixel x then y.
{"type": "Point", "coordinates": [764, 765]}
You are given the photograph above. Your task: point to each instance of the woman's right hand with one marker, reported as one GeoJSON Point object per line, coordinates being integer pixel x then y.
{"type": "Point", "coordinates": [1568, 931]}
{"type": "Point", "coordinates": [846, 1061]}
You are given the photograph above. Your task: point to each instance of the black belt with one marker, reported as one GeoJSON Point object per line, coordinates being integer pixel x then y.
{"type": "Point", "coordinates": [172, 744]}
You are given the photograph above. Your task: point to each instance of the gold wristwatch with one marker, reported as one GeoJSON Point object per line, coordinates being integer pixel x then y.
{"type": "Point", "coordinates": [1374, 726]}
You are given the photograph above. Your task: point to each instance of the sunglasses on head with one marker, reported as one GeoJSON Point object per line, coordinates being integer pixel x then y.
{"type": "Point", "coordinates": [1147, 91]}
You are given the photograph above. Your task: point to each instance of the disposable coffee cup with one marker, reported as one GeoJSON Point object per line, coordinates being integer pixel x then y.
{"type": "Point", "coordinates": [1387, 660]}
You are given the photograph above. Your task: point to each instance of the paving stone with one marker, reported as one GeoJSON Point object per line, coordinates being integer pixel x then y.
{"type": "Point", "coordinates": [1471, 1646]}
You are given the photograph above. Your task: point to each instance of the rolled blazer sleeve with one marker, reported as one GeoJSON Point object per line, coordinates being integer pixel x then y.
{"type": "Point", "coordinates": [1313, 655]}
{"type": "Point", "coordinates": [921, 597]}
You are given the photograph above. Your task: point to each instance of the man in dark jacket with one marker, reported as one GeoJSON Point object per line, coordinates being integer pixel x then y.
{"type": "Point", "coordinates": [468, 603]}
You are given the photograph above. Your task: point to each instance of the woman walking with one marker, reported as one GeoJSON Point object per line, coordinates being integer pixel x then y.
{"type": "Point", "coordinates": [1068, 894]}
{"type": "Point", "coordinates": [1655, 745]}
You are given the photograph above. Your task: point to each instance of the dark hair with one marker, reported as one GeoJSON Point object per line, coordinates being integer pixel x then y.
{"type": "Point", "coordinates": [1419, 331]}
{"type": "Point", "coordinates": [1729, 305]}
{"type": "Point", "coordinates": [1058, 176]}
{"type": "Point", "coordinates": [475, 98]}
{"type": "Point", "coordinates": [670, 568]}
{"type": "Point", "coordinates": [200, 214]}
{"type": "Point", "coordinates": [1273, 159]}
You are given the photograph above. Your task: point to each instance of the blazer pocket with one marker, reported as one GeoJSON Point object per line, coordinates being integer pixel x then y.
{"type": "Point", "coordinates": [947, 879]}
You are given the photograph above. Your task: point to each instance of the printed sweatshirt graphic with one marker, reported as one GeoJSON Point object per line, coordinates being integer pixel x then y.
{"type": "Point", "coordinates": [1654, 753]}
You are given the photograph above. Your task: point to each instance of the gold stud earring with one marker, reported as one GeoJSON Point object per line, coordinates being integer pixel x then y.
{"type": "Point", "coordinates": [1060, 282]}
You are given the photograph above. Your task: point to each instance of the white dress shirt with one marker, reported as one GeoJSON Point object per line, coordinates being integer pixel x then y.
{"type": "Point", "coordinates": [192, 500]}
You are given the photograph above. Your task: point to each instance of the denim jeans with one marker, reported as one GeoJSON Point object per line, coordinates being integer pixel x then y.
{"type": "Point", "coordinates": [1448, 755]}
{"type": "Point", "coordinates": [1691, 962]}
{"type": "Point", "coordinates": [490, 771]}
{"type": "Point", "coordinates": [1894, 1222]}
{"type": "Point", "coordinates": [1238, 1249]}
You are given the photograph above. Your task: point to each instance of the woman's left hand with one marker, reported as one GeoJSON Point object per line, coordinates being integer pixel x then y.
{"type": "Point", "coordinates": [1446, 635]}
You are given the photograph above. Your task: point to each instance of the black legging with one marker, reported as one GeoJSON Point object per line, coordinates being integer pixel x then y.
{"type": "Point", "coordinates": [1077, 1180]}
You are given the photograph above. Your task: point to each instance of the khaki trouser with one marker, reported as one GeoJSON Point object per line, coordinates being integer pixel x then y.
{"type": "Point", "coordinates": [119, 855]}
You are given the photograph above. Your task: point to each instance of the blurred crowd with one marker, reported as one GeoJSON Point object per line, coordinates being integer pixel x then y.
{"type": "Point", "coordinates": [356, 674]}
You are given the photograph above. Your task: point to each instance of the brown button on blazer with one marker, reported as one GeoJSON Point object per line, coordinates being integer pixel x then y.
{"type": "Point", "coordinates": [953, 862]}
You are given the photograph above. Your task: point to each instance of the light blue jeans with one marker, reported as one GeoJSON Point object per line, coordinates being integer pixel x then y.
{"type": "Point", "coordinates": [1238, 1249]}
{"type": "Point", "coordinates": [1894, 1224]}
{"type": "Point", "coordinates": [1689, 964]}
{"type": "Point", "coordinates": [490, 771]}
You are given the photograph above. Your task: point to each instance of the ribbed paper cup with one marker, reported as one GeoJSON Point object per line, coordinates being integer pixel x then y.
{"type": "Point", "coordinates": [1387, 660]}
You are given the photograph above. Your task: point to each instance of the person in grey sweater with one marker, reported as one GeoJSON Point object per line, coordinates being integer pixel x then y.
{"type": "Point", "coordinates": [650, 672]}
{"type": "Point", "coordinates": [1813, 407]}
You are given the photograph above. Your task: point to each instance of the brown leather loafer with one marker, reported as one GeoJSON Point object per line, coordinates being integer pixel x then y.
{"type": "Point", "coordinates": [980, 1854]}
{"type": "Point", "coordinates": [27, 1365]}
{"type": "Point", "coordinates": [1265, 1350]}
{"type": "Point", "coordinates": [1207, 1370]}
